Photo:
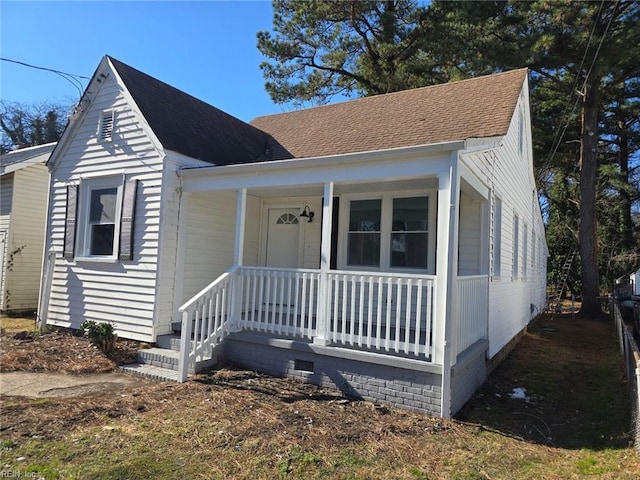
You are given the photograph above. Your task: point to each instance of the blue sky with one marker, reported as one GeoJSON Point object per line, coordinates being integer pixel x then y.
{"type": "Point", "coordinates": [205, 48]}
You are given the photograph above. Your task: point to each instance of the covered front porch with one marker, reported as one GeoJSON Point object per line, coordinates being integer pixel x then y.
{"type": "Point", "coordinates": [371, 259]}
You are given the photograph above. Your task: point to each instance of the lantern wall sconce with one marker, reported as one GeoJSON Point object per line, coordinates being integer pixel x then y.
{"type": "Point", "coordinates": [308, 214]}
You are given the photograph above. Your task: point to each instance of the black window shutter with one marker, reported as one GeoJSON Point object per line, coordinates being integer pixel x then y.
{"type": "Point", "coordinates": [70, 221]}
{"type": "Point", "coordinates": [335, 210]}
{"type": "Point", "coordinates": [127, 220]}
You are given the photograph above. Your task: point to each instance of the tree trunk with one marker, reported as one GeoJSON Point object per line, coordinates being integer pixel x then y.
{"type": "Point", "coordinates": [588, 175]}
{"type": "Point", "coordinates": [626, 223]}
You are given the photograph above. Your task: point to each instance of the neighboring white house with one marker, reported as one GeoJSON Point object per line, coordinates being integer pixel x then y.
{"type": "Point", "coordinates": [24, 190]}
{"type": "Point", "coordinates": [389, 246]}
{"type": "Point", "coordinates": [634, 279]}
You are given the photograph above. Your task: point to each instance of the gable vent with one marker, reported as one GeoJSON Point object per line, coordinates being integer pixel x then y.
{"type": "Point", "coordinates": [106, 126]}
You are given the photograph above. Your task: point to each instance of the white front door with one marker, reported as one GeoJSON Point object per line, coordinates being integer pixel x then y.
{"type": "Point", "coordinates": [283, 237]}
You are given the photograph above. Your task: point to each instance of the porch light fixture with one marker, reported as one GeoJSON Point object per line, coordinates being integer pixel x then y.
{"type": "Point", "coordinates": [308, 214]}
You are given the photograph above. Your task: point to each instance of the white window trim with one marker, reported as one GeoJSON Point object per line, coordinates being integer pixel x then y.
{"type": "Point", "coordinates": [498, 233]}
{"type": "Point", "coordinates": [386, 216]}
{"type": "Point", "coordinates": [525, 250]}
{"type": "Point", "coordinates": [84, 205]}
{"type": "Point", "coordinates": [515, 259]}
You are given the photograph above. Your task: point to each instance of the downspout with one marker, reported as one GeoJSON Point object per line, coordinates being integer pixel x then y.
{"type": "Point", "coordinates": [181, 250]}
{"type": "Point", "coordinates": [452, 275]}
{"type": "Point", "coordinates": [48, 263]}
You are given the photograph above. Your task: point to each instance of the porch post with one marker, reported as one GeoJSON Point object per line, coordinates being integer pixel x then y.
{"type": "Point", "coordinates": [446, 269]}
{"type": "Point", "coordinates": [241, 213]}
{"type": "Point", "coordinates": [236, 280]}
{"type": "Point", "coordinates": [323, 323]}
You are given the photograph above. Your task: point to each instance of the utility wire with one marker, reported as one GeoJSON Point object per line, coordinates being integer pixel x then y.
{"type": "Point", "coordinates": [69, 77]}
{"type": "Point", "coordinates": [595, 55]}
{"type": "Point", "coordinates": [568, 114]}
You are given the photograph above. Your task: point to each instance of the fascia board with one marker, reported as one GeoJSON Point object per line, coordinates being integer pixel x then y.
{"type": "Point", "coordinates": [346, 167]}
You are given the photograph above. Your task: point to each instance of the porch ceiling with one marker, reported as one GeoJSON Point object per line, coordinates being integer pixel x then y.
{"type": "Point", "coordinates": [414, 183]}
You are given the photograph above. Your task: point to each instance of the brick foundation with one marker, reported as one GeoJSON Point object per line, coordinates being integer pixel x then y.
{"type": "Point", "coordinates": [400, 382]}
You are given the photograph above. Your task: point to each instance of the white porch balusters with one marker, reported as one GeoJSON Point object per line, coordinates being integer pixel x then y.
{"type": "Point", "coordinates": [323, 323]}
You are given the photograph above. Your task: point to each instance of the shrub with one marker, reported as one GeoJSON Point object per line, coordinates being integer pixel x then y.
{"type": "Point", "coordinates": [101, 334]}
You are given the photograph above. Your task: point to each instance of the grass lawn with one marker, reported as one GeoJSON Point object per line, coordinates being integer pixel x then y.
{"type": "Point", "coordinates": [572, 422]}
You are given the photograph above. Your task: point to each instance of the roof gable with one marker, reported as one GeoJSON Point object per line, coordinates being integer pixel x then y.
{"type": "Point", "coordinates": [474, 108]}
{"type": "Point", "coordinates": [187, 125]}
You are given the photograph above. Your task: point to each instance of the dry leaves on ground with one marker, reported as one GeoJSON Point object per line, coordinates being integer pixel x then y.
{"type": "Point", "coordinates": [60, 351]}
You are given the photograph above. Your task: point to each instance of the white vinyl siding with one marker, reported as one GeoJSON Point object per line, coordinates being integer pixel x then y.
{"type": "Point", "coordinates": [513, 303]}
{"type": "Point", "coordinates": [121, 292]}
{"type": "Point", "coordinates": [209, 235]}
{"type": "Point", "coordinates": [210, 222]}
{"type": "Point", "coordinates": [251, 253]}
{"type": "Point", "coordinates": [168, 244]}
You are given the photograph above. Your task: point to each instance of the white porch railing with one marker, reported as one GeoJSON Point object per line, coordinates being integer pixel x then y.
{"type": "Point", "coordinates": [379, 311]}
{"type": "Point", "coordinates": [279, 300]}
{"type": "Point", "coordinates": [206, 321]}
{"type": "Point", "coordinates": [473, 311]}
{"type": "Point", "coordinates": [384, 312]}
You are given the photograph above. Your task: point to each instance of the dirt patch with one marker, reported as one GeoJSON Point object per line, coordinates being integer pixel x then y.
{"type": "Point", "coordinates": [61, 351]}
{"type": "Point", "coordinates": [563, 385]}
{"type": "Point", "coordinates": [570, 421]}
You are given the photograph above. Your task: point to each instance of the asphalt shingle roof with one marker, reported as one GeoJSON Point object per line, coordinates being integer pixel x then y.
{"type": "Point", "coordinates": [187, 125]}
{"type": "Point", "coordinates": [473, 108]}
{"type": "Point", "coordinates": [22, 154]}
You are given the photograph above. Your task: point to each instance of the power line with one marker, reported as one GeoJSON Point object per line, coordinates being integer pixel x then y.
{"type": "Point", "coordinates": [568, 113]}
{"type": "Point", "coordinates": [69, 77]}
{"type": "Point", "coordinates": [595, 55]}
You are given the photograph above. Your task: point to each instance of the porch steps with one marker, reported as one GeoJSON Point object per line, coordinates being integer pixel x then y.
{"type": "Point", "coordinates": [161, 363]}
{"type": "Point", "coordinates": [151, 371]}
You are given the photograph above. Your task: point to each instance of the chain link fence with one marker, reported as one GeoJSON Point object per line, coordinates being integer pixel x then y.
{"type": "Point", "coordinates": [631, 354]}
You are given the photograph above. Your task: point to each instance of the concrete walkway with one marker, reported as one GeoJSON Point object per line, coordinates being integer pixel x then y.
{"type": "Point", "coordinates": [38, 385]}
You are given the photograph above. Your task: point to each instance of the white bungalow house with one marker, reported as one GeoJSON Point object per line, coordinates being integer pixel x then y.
{"type": "Point", "coordinates": [390, 246]}
{"type": "Point", "coordinates": [24, 189]}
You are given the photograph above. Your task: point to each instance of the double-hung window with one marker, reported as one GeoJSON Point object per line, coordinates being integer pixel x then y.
{"type": "Point", "coordinates": [409, 233]}
{"type": "Point", "coordinates": [100, 208]}
{"type": "Point", "coordinates": [364, 233]}
{"type": "Point", "coordinates": [388, 233]}
{"type": "Point", "coordinates": [99, 219]}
